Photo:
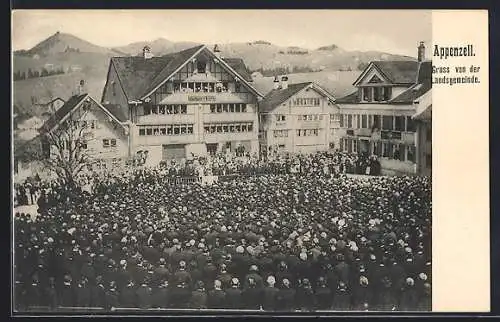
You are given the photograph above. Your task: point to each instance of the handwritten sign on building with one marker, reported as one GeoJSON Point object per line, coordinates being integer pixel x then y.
{"type": "Point", "coordinates": [201, 98]}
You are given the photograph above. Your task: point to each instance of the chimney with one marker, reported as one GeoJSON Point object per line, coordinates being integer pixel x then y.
{"type": "Point", "coordinates": [217, 51]}
{"type": "Point", "coordinates": [146, 52]}
{"type": "Point", "coordinates": [284, 82]}
{"type": "Point", "coordinates": [81, 88]}
{"type": "Point", "coordinates": [276, 82]}
{"type": "Point", "coordinates": [421, 52]}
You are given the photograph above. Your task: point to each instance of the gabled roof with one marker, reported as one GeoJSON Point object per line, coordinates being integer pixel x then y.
{"type": "Point", "coordinates": [422, 83]}
{"type": "Point", "coordinates": [397, 72]}
{"type": "Point", "coordinates": [52, 101]}
{"type": "Point", "coordinates": [139, 77]}
{"type": "Point", "coordinates": [117, 111]}
{"type": "Point", "coordinates": [73, 103]}
{"type": "Point", "coordinates": [57, 117]}
{"type": "Point", "coordinates": [278, 96]}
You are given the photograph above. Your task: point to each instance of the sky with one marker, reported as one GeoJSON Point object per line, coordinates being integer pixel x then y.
{"type": "Point", "coordinates": [393, 31]}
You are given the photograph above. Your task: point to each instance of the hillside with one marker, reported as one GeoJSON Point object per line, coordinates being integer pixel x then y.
{"type": "Point", "coordinates": [338, 83]}
{"type": "Point", "coordinates": [264, 56]}
{"type": "Point", "coordinates": [63, 43]}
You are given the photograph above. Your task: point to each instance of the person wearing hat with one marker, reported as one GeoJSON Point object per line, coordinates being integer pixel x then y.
{"type": "Point", "coordinates": [323, 295]}
{"type": "Point", "coordinates": [362, 293]}
{"type": "Point", "coordinates": [342, 269]}
{"type": "Point", "coordinates": [387, 300]}
{"type": "Point", "coordinates": [408, 299]}
{"type": "Point", "coordinates": [182, 275]}
{"type": "Point", "coordinates": [199, 296]}
{"type": "Point", "coordinates": [68, 294]}
{"type": "Point", "coordinates": [224, 277]}
{"type": "Point", "coordinates": [98, 293]}
{"type": "Point", "coordinates": [112, 296]}
{"type": "Point", "coordinates": [252, 293]}
{"type": "Point", "coordinates": [216, 297]}
{"type": "Point", "coordinates": [305, 296]}
{"type": "Point", "coordinates": [128, 295]}
{"type": "Point", "coordinates": [83, 293]}
{"type": "Point", "coordinates": [270, 294]}
{"type": "Point", "coordinates": [143, 295]}
{"type": "Point", "coordinates": [342, 297]}
{"type": "Point", "coordinates": [255, 276]}
{"type": "Point", "coordinates": [425, 298]}
{"type": "Point", "coordinates": [233, 295]}
{"type": "Point", "coordinates": [51, 293]}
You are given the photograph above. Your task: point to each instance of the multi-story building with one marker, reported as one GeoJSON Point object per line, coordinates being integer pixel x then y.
{"type": "Point", "coordinates": [99, 131]}
{"type": "Point", "coordinates": [377, 117]}
{"type": "Point", "coordinates": [187, 103]}
{"type": "Point", "coordinates": [423, 120]}
{"type": "Point", "coordinates": [298, 118]}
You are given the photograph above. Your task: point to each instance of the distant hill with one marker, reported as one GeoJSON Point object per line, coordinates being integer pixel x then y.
{"type": "Point", "coordinates": [64, 43]}
{"type": "Point", "coordinates": [80, 59]}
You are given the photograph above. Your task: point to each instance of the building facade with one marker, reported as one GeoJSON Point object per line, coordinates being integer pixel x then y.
{"type": "Point", "coordinates": [298, 118]}
{"type": "Point", "coordinates": [99, 132]}
{"type": "Point", "coordinates": [377, 117]}
{"type": "Point", "coordinates": [193, 102]}
{"type": "Point", "coordinates": [423, 121]}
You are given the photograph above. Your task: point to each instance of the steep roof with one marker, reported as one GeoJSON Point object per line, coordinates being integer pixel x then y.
{"type": "Point", "coordinates": [418, 74]}
{"type": "Point", "coordinates": [424, 84]}
{"type": "Point", "coordinates": [398, 72]}
{"type": "Point", "coordinates": [68, 106]}
{"type": "Point", "coordinates": [139, 76]}
{"type": "Point", "coordinates": [71, 104]}
{"type": "Point", "coordinates": [117, 111]}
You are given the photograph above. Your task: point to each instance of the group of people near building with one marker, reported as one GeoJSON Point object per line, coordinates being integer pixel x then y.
{"type": "Point", "coordinates": [277, 241]}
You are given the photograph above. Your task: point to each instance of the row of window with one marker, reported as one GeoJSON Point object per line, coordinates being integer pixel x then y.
{"type": "Point", "coordinates": [308, 132]}
{"type": "Point", "coordinates": [165, 109]}
{"type": "Point", "coordinates": [376, 94]}
{"type": "Point", "coordinates": [203, 87]}
{"type": "Point", "coordinates": [228, 127]}
{"type": "Point", "coordinates": [280, 133]}
{"type": "Point", "coordinates": [166, 129]}
{"type": "Point", "coordinates": [228, 108]}
{"type": "Point", "coordinates": [93, 124]}
{"type": "Point", "coordinates": [401, 152]}
{"type": "Point", "coordinates": [306, 102]}
{"type": "Point", "coordinates": [310, 117]}
{"type": "Point", "coordinates": [381, 122]}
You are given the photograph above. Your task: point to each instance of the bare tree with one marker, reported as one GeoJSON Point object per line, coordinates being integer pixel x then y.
{"type": "Point", "coordinates": [68, 151]}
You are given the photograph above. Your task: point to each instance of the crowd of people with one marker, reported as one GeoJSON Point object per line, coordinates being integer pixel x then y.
{"type": "Point", "coordinates": [284, 240]}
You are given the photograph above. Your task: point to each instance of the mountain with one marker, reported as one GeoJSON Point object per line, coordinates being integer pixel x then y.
{"type": "Point", "coordinates": [63, 43]}
{"type": "Point", "coordinates": [160, 46]}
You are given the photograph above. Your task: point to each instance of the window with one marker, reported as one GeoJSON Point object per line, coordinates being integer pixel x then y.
{"type": "Point", "coordinates": [387, 93]}
{"type": "Point", "coordinates": [349, 121]}
{"type": "Point", "coordinates": [410, 125]}
{"type": "Point", "coordinates": [428, 134]}
{"type": "Point", "coordinates": [212, 108]}
{"type": "Point", "coordinates": [367, 97]}
{"type": "Point", "coordinates": [183, 109]}
{"type": "Point", "coordinates": [237, 108]}
{"type": "Point", "coordinates": [358, 121]}
{"type": "Point", "coordinates": [231, 108]}
{"type": "Point", "coordinates": [364, 121]}
{"type": "Point", "coordinates": [377, 91]}
{"type": "Point", "coordinates": [113, 142]}
{"type": "Point", "coordinates": [105, 143]}
{"type": "Point", "coordinates": [142, 131]}
{"type": "Point", "coordinates": [298, 132]}
{"type": "Point", "coordinates": [243, 108]}
{"type": "Point", "coordinates": [113, 84]}
{"type": "Point", "coordinates": [147, 109]}
{"type": "Point", "coordinates": [83, 145]}
{"type": "Point", "coordinates": [237, 87]}
{"type": "Point", "coordinates": [250, 127]}
{"type": "Point", "coordinates": [161, 109]}
{"type": "Point", "coordinates": [376, 121]}
{"type": "Point", "coordinates": [219, 108]}
{"type": "Point", "coordinates": [170, 129]}
{"type": "Point", "coordinates": [411, 153]}
{"type": "Point", "coordinates": [201, 67]}
{"type": "Point", "coordinates": [342, 121]}
{"type": "Point", "coordinates": [400, 123]}
{"type": "Point", "coordinates": [387, 123]}
{"type": "Point", "coordinates": [206, 129]}
{"type": "Point", "coordinates": [183, 129]}
{"type": "Point", "coordinates": [280, 118]}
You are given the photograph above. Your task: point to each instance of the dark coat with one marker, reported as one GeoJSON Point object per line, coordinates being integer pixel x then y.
{"type": "Point", "coordinates": [97, 296]}
{"type": "Point", "coordinates": [252, 298]}
{"type": "Point", "coordinates": [216, 299]}
{"type": "Point", "coordinates": [144, 297]}
{"type": "Point", "coordinates": [286, 299]}
{"type": "Point", "coordinates": [159, 298]}
{"type": "Point", "coordinates": [324, 298]}
{"type": "Point", "coordinates": [198, 300]}
{"type": "Point", "coordinates": [270, 296]}
{"type": "Point", "coordinates": [234, 298]}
